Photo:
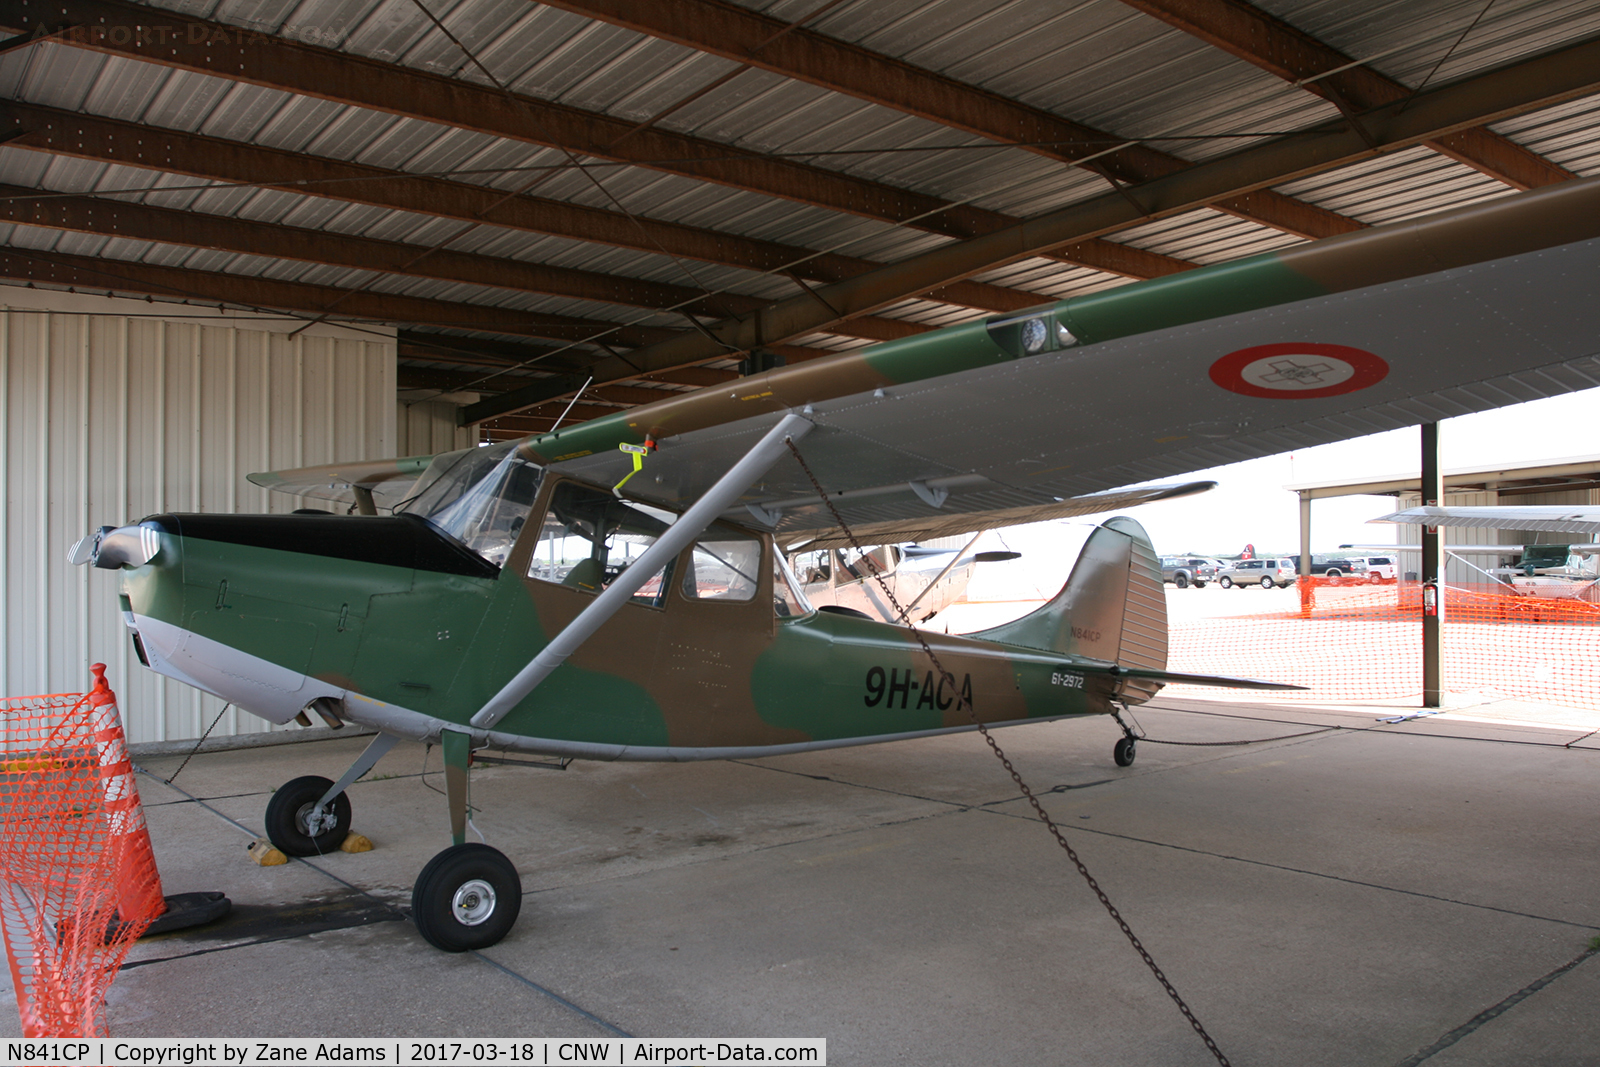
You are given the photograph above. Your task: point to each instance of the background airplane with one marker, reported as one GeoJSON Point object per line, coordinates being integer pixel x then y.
{"type": "Point", "coordinates": [924, 580]}
{"type": "Point", "coordinates": [1560, 571]}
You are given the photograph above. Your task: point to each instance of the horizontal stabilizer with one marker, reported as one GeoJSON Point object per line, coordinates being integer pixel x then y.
{"type": "Point", "coordinates": [335, 481]}
{"type": "Point", "coordinates": [1175, 678]}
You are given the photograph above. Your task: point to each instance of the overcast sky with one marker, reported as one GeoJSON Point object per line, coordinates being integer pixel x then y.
{"type": "Point", "coordinates": [1251, 506]}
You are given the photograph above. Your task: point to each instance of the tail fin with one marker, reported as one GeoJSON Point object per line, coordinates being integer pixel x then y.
{"type": "Point", "coordinates": [1113, 608]}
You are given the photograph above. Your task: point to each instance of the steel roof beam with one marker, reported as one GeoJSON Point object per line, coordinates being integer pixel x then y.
{"type": "Point", "coordinates": [1540, 82]}
{"type": "Point", "coordinates": [239, 54]}
{"type": "Point", "coordinates": [746, 36]}
{"type": "Point", "coordinates": [193, 229]}
{"type": "Point", "coordinates": [1275, 46]}
{"type": "Point", "coordinates": [484, 352]}
{"type": "Point", "coordinates": [101, 275]}
{"type": "Point", "coordinates": [213, 159]}
{"type": "Point", "coordinates": [451, 381]}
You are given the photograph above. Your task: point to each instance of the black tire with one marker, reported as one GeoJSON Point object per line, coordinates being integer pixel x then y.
{"type": "Point", "coordinates": [1333, 575]}
{"type": "Point", "coordinates": [467, 897]}
{"type": "Point", "coordinates": [1266, 583]}
{"type": "Point", "coordinates": [1225, 582]}
{"type": "Point", "coordinates": [1374, 577]}
{"type": "Point", "coordinates": [1124, 752]}
{"type": "Point", "coordinates": [1181, 581]}
{"type": "Point", "coordinates": [286, 818]}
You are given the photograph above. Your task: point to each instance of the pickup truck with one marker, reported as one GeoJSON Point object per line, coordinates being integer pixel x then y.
{"type": "Point", "coordinates": [1184, 571]}
{"type": "Point", "coordinates": [1335, 568]}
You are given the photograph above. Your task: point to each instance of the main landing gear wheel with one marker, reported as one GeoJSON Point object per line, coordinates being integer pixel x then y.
{"type": "Point", "coordinates": [292, 826]}
{"type": "Point", "coordinates": [467, 897]}
{"type": "Point", "coordinates": [1124, 752]}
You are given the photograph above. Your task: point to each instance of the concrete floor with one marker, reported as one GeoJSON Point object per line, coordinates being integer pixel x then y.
{"type": "Point", "coordinates": [1371, 894]}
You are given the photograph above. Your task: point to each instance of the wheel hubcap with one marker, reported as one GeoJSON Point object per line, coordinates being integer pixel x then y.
{"type": "Point", "coordinates": [473, 903]}
{"type": "Point", "coordinates": [315, 821]}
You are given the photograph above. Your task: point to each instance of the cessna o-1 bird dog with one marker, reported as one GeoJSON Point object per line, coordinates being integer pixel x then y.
{"type": "Point", "coordinates": [681, 633]}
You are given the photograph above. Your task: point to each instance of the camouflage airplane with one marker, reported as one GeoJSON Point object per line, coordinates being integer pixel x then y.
{"type": "Point", "coordinates": [924, 581]}
{"type": "Point", "coordinates": [517, 597]}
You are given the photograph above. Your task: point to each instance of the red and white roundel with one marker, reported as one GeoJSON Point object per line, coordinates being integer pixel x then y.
{"type": "Point", "coordinates": [1298, 370]}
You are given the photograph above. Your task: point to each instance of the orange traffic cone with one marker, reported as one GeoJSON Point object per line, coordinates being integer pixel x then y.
{"type": "Point", "coordinates": [139, 897]}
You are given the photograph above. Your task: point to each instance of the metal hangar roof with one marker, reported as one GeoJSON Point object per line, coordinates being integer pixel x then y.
{"type": "Point", "coordinates": [526, 189]}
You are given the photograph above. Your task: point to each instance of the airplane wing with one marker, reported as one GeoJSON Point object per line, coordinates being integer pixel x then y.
{"type": "Point", "coordinates": [926, 528]}
{"type": "Point", "coordinates": [1551, 518]}
{"type": "Point", "coordinates": [1385, 328]}
{"type": "Point", "coordinates": [1020, 414]}
{"type": "Point", "coordinates": [1467, 550]}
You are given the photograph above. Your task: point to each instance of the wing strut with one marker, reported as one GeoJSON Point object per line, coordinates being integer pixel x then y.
{"type": "Point", "coordinates": [677, 537]}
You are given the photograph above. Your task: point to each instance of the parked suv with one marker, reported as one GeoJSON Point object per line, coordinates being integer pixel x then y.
{"type": "Point", "coordinates": [1184, 571]}
{"type": "Point", "coordinates": [1382, 569]}
{"type": "Point", "coordinates": [1263, 572]}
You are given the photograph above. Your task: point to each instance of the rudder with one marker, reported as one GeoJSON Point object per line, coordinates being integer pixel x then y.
{"type": "Point", "coordinates": [1112, 608]}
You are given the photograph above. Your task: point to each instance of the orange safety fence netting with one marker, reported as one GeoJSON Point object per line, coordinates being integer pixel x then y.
{"type": "Point", "coordinates": [78, 883]}
{"type": "Point", "coordinates": [1351, 643]}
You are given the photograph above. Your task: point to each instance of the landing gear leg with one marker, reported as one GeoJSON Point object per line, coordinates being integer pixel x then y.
{"type": "Point", "coordinates": [310, 816]}
{"type": "Point", "coordinates": [457, 752]}
{"type": "Point", "coordinates": [1127, 748]}
{"type": "Point", "coordinates": [468, 896]}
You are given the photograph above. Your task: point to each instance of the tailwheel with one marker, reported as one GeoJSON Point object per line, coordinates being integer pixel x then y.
{"type": "Point", "coordinates": [467, 897]}
{"type": "Point", "coordinates": [298, 827]}
{"type": "Point", "coordinates": [1124, 752]}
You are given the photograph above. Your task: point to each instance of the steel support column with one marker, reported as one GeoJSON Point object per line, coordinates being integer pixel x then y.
{"type": "Point", "coordinates": [1432, 571]}
{"type": "Point", "coordinates": [1305, 554]}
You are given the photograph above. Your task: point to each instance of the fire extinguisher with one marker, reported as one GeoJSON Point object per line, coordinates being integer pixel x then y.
{"type": "Point", "coordinates": [1430, 598]}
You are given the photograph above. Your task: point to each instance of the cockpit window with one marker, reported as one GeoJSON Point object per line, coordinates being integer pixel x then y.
{"type": "Point", "coordinates": [724, 565]}
{"type": "Point", "coordinates": [589, 537]}
{"type": "Point", "coordinates": [479, 496]}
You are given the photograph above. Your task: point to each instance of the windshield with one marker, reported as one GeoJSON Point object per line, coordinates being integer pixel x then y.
{"type": "Point", "coordinates": [788, 599]}
{"type": "Point", "coordinates": [480, 496]}
{"type": "Point", "coordinates": [589, 537]}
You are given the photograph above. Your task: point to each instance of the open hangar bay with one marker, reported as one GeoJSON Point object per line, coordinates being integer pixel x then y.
{"type": "Point", "coordinates": [251, 236]}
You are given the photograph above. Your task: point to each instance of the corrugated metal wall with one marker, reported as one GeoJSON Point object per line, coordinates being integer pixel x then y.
{"type": "Point", "coordinates": [111, 410]}
{"type": "Point", "coordinates": [428, 427]}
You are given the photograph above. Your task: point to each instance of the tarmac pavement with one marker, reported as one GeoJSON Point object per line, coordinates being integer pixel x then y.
{"type": "Point", "coordinates": [1417, 893]}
